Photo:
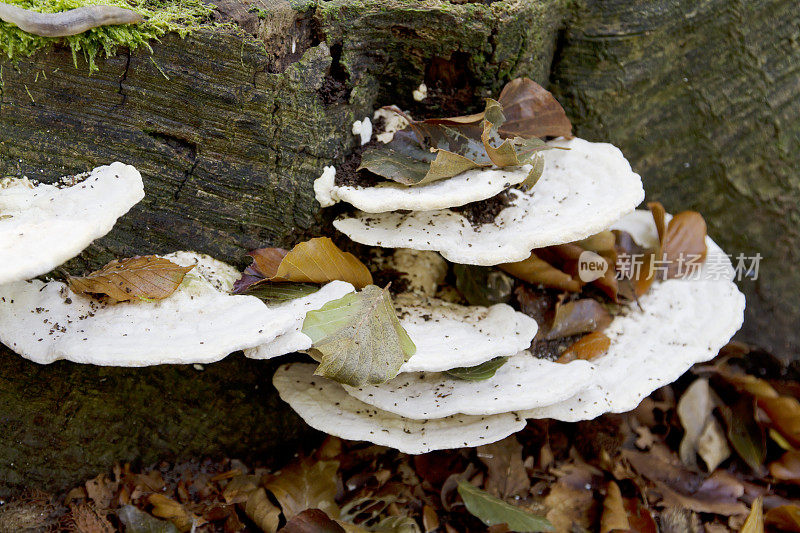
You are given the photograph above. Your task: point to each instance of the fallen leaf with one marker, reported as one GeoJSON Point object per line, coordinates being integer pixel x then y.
{"type": "Point", "coordinates": [531, 111]}
{"type": "Point", "coordinates": [491, 511]}
{"type": "Point", "coordinates": [143, 277]}
{"type": "Point", "coordinates": [165, 507]}
{"type": "Point", "coordinates": [784, 518]}
{"type": "Point", "coordinates": [306, 484]}
{"type": "Point", "coordinates": [482, 285]}
{"type": "Point", "coordinates": [480, 372]}
{"type": "Point", "coordinates": [281, 292]}
{"type": "Point", "coordinates": [539, 272]}
{"type": "Point", "coordinates": [784, 415]}
{"type": "Point", "coordinates": [755, 520]}
{"type": "Point", "coordinates": [614, 516]}
{"type": "Point", "coordinates": [586, 348]}
{"type": "Point", "coordinates": [312, 521]}
{"type": "Point", "coordinates": [101, 490]}
{"type": "Point", "coordinates": [744, 433]}
{"type": "Point", "coordinates": [578, 316]}
{"type": "Point", "coordinates": [430, 520]}
{"type": "Point", "coordinates": [244, 491]}
{"type": "Point", "coordinates": [570, 501]}
{"type": "Point", "coordinates": [712, 445]}
{"type": "Point", "coordinates": [317, 260]}
{"type": "Point", "coordinates": [694, 411]}
{"type": "Point", "coordinates": [137, 521]}
{"type": "Point", "coordinates": [358, 338]}
{"type": "Point", "coordinates": [506, 476]}
{"type": "Point", "coordinates": [787, 468]}
{"type": "Point", "coordinates": [685, 241]}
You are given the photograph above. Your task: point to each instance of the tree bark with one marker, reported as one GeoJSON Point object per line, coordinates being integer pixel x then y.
{"type": "Point", "coordinates": [229, 128]}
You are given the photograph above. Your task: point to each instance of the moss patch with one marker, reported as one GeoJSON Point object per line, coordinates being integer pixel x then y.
{"type": "Point", "coordinates": [161, 17]}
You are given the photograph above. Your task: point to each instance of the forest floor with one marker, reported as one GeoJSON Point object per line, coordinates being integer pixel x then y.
{"type": "Point", "coordinates": [704, 454]}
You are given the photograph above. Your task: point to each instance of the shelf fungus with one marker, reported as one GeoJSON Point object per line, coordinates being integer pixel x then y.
{"type": "Point", "coordinates": [42, 226]}
{"type": "Point", "coordinates": [200, 322]}
{"type": "Point", "coordinates": [325, 406]}
{"type": "Point", "coordinates": [582, 190]}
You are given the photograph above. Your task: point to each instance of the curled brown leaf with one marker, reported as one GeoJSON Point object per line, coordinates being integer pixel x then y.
{"type": "Point", "coordinates": [587, 348]}
{"type": "Point", "coordinates": [532, 111]}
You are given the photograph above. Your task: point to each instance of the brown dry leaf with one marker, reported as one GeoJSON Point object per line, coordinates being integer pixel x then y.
{"type": "Point", "coordinates": [430, 520]}
{"type": "Point", "coordinates": [506, 476]}
{"type": "Point", "coordinates": [682, 241]}
{"type": "Point", "coordinates": [755, 520]}
{"type": "Point", "coordinates": [694, 412]}
{"type": "Point", "coordinates": [587, 348]}
{"type": "Point", "coordinates": [784, 518]}
{"type": "Point", "coordinates": [578, 316]}
{"type": "Point", "coordinates": [169, 509]}
{"type": "Point", "coordinates": [306, 484]}
{"type": "Point", "coordinates": [614, 515]}
{"type": "Point", "coordinates": [570, 500]}
{"type": "Point", "coordinates": [787, 468]}
{"type": "Point", "coordinates": [244, 490]}
{"type": "Point", "coordinates": [146, 277]}
{"type": "Point", "coordinates": [101, 491]}
{"type": "Point", "coordinates": [317, 260]}
{"type": "Point", "coordinates": [531, 111]}
{"type": "Point", "coordinates": [712, 445]}
{"type": "Point", "coordinates": [539, 272]}
{"type": "Point", "coordinates": [312, 521]}
{"type": "Point", "coordinates": [784, 415]}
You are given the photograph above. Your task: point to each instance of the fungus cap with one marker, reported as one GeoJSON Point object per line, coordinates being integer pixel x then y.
{"type": "Point", "coordinates": [449, 335]}
{"type": "Point", "coordinates": [682, 322]}
{"type": "Point", "coordinates": [199, 323]}
{"type": "Point", "coordinates": [467, 187]}
{"type": "Point", "coordinates": [325, 406]}
{"type": "Point", "coordinates": [582, 191]}
{"type": "Point", "coordinates": [524, 382]}
{"type": "Point", "coordinates": [43, 226]}
{"type": "Point", "coordinates": [295, 340]}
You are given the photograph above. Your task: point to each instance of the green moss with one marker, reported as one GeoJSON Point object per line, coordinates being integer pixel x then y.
{"type": "Point", "coordinates": [161, 17]}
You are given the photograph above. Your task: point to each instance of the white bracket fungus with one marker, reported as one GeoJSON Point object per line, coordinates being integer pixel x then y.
{"type": "Point", "coordinates": [524, 382]}
{"type": "Point", "coordinates": [392, 122]}
{"type": "Point", "coordinates": [420, 93]}
{"type": "Point", "coordinates": [449, 335]}
{"type": "Point", "coordinates": [199, 323]}
{"type": "Point", "coordinates": [467, 187]}
{"type": "Point", "coordinates": [295, 340]}
{"type": "Point", "coordinates": [363, 128]}
{"type": "Point", "coordinates": [325, 405]}
{"type": "Point", "coordinates": [41, 227]}
{"type": "Point", "coordinates": [583, 190]}
{"type": "Point", "coordinates": [682, 322]}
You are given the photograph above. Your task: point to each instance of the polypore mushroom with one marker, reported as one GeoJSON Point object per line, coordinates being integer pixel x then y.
{"type": "Point", "coordinates": [43, 226]}
{"type": "Point", "coordinates": [582, 191]}
{"type": "Point", "coordinates": [681, 322]}
{"type": "Point", "coordinates": [201, 322]}
{"type": "Point", "coordinates": [467, 187]}
{"type": "Point", "coordinates": [325, 406]}
{"type": "Point", "coordinates": [449, 335]}
{"type": "Point", "coordinates": [524, 382]}
{"type": "Point", "coordinates": [295, 340]}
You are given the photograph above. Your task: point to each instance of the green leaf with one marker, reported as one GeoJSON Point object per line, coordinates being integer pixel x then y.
{"type": "Point", "coordinates": [281, 292]}
{"type": "Point", "coordinates": [482, 285]}
{"type": "Point", "coordinates": [137, 521]}
{"type": "Point", "coordinates": [478, 373]}
{"type": "Point", "coordinates": [358, 339]}
{"type": "Point", "coordinates": [744, 433]}
{"type": "Point", "coordinates": [537, 169]}
{"type": "Point", "coordinates": [492, 511]}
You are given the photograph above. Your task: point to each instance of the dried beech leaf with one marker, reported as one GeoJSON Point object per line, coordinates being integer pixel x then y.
{"type": "Point", "coordinates": [694, 411]}
{"type": "Point", "coordinates": [492, 511]}
{"type": "Point", "coordinates": [312, 521]}
{"type": "Point", "coordinates": [614, 516]}
{"type": "Point", "coordinates": [744, 433]}
{"type": "Point", "coordinates": [358, 338]}
{"type": "Point", "coordinates": [587, 348]}
{"type": "Point", "coordinates": [784, 415]}
{"type": "Point", "coordinates": [539, 272]}
{"type": "Point", "coordinates": [480, 372]}
{"type": "Point", "coordinates": [537, 169]}
{"type": "Point", "coordinates": [305, 485]}
{"type": "Point", "coordinates": [143, 277]}
{"type": "Point", "coordinates": [578, 316]}
{"type": "Point", "coordinates": [784, 518]}
{"type": "Point", "coordinates": [685, 241]}
{"type": "Point", "coordinates": [787, 468]}
{"type": "Point", "coordinates": [531, 111]}
{"type": "Point", "coordinates": [281, 292]}
{"type": "Point", "coordinates": [317, 260]}
{"type": "Point", "coordinates": [169, 509]}
{"type": "Point", "coordinates": [505, 470]}
{"type": "Point", "coordinates": [755, 520]}
{"type": "Point", "coordinates": [712, 446]}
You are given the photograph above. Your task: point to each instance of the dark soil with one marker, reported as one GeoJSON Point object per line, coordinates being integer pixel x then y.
{"type": "Point", "coordinates": [485, 211]}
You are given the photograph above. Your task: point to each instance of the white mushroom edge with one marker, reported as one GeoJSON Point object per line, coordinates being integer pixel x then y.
{"type": "Point", "coordinates": [199, 323]}
{"type": "Point", "coordinates": [43, 226]}
{"type": "Point", "coordinates": [325, 406]}
{"type": "Point", "coordinates": [582, 191]}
